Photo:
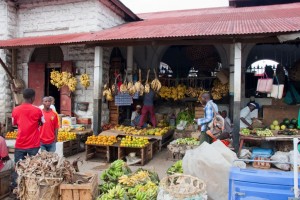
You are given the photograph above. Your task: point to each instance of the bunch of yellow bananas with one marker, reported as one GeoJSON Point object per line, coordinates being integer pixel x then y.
{"type": "Point", "coordinates": [85, 80]}
{"type": "Point", "coordinates": [156, 85]}
{"type": "Point", "coordinates": [72, 83]}
{"type": "Point", "coordinates": [219, 90]}
{"type": "Point", "coordinates": [56, 79]}
{"type": "Point", "coordinates": [107, 93]}
{"type": "Point", "coordinates": [139, 177]}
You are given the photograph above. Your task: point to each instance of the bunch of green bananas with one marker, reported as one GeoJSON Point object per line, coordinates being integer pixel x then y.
{"type": "Point", "coordinates": [115, 193]}
{"type": "Point", "coordinates": [187, 141]}
{"type": "Point", "coordinates": [117, 169]}
{"type": "Point", "coordinates": [176, 168]}
{"type": "Point", "coordinates": [106, 186]}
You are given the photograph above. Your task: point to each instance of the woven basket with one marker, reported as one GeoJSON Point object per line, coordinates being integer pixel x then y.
{"type": "Point", "coordinates": [42, 189]}
{"type": "Point", "coordinates": [183, 186]}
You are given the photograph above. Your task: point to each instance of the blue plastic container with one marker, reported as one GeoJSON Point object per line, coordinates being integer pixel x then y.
{"type": "Point", "coordinates": [261, 152]}
{"type": "Point", "coordinates": [253, 184]}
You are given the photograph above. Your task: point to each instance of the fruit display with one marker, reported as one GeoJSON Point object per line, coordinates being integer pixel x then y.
{"type": "Point", "coordinates": [120, 183]}
{"type": "Point", "coordinates": [264, 133]}
{"type": "Point", "coordinates": [123, 87]}
{"type": "Point", "coordinates": [72, 83]}
{"type": "Point", "coordinates": [185, 115]}
{"type": "Point", "coordinates": [85, 80]}
{"type": "Point", "coordinates": [101, 140]}
{"type": "Point", "coordinates": [156, 84]}
{"type": "Point", "coordinates": [11, 135]}
{"type": "Point", "coordinates": [288, 132]}
{"type": "Point", "coordinates": [138, 142]}
{"type": "Point", "coordinates": [138, 85]}
{"type": "Point", "coordinates": [176, 168]}
{"type": "Point", "coordinates": [285, 124]}
{"type": "Point", "coordinates": [65, 136]}
{"type": "Point", "coordinates": [245, 131]}
{"type": "Point", "coordinates": [219, 90]}
{"type": "Point", "coordinates": [175, 93]}
{"type": "Point", "coordinates": [187, 141]}
{"type": "Point", "coordinates": [130, 130]}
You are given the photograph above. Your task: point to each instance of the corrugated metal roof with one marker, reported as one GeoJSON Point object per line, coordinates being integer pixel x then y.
{"type": "Point", "coordinates": [197, 23]}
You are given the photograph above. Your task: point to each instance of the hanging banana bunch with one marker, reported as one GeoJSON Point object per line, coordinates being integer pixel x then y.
{"type": "Point", "coordinates": [156, 84]}
{"type": "Point", "coordinates": [138, 85]}
{"type": "Point", "coordinates": [85, 80]}
{"type": "Point", "coordinates": [56, 79]}
{"type": "Point", "coordinates": [147, 85]}
{"type": "Point", "coordinates": [219, 90]}
{"type": "Point", "coordinates": [72, 83]}
{"type": "Point", "coordinates": [107, 93]}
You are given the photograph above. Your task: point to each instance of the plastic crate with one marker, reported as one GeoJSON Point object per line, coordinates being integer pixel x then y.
{"type": "Point", "coordinates": [260, 184]}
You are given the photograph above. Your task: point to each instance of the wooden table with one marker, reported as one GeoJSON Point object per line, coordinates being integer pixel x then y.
{"type": "Point", "coordinates": [274, 138]}
{"type": "Point", "coordinates": [163, 140]}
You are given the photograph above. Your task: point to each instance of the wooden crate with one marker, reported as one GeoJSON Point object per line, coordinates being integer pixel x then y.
{"type": "Point", "coordinates": [109, 153]}
{"type": "Point", "coordinates": [71, 147]}
{"type": "Point", "coordinates": [261, 165]}
{"type": "Point", "coordinates": [5, 179]}
{"type": "Point", "coordinates": [86, 191]}
{"type": "Point", "coordinates": [144, 153]}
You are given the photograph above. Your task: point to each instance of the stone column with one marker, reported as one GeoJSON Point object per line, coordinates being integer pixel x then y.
{"type": "Point", "coordinates": [97, 98]}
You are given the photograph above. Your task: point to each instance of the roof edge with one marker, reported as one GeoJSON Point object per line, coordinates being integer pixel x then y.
{"type": "Point", "coordinates": [125, 9]}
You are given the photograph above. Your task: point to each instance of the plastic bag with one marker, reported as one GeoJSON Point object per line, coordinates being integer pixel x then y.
{"type": "Point", "coordinates": [245, 154]}
{"type": "Point", "coordinates": [208, 164]}
{"type": "Point", "coordinates": [291, 158]}
{"type": "Point", "coordinates": [280, 156]}
{"type": "Point", "coordinates": [229, 155]}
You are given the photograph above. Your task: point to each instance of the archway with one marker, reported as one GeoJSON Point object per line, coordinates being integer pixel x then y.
{"type": "Point", "coordinates": [43, 60]}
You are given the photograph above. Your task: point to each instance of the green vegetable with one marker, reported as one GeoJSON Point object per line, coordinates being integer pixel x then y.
{"type": "Point", "coordinates": [176, 168]}
{"type": "Point", "coordinates": [185, 115]}
{"type": "Point", "coordinates": [245, 131]}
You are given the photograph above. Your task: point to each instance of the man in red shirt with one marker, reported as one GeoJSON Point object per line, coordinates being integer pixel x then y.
{"type": "Point", "coordinates": [28, 118]}
{"type": "Point", "coordinates": [50, 127]}
{"type": "Point", "coordinates": [5, 162]}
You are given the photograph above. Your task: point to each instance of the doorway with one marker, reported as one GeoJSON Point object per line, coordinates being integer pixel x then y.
{"type": "Point", "coordinates": [45, 59]}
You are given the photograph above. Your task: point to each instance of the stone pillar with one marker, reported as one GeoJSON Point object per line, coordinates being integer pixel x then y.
{"type": "Point", "coordinates": [237, 57]}
{"type": "Point", "coordinates": [129, 62]}
{"type": "Point", "coordinates": [97, 97]}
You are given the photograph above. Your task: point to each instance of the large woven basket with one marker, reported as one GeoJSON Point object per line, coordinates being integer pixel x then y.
{"type": "Point", "coordinates": [183, 186]}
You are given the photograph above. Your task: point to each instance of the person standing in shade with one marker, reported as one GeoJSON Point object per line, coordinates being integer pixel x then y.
{"type": "Point", "coordinates": [246, 117]}
{"type": "Point", "coordinates": [210, 108]}
{"type": "Point", "coordinates": [50, 128]}
{"type": "Point", "coordinates": [148, 107]}
{"type": "Point", "coordinates": [28, 118]}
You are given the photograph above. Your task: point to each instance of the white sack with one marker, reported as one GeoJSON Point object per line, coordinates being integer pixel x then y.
{"type": "Point", "coordinates": [208, 164]}
{"type": "Point", "coordinates": [280, 156]}
{"type": "Point", "coordinates": [229, 155]}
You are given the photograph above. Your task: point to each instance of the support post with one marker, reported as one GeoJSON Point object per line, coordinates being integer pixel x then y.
{"type": "Point", "coordinates": [237, 93]}
{"type": "Point", "coordinates": [129, 62]}
{"type": "Point", "coordinates": [14, 68]}
{"type": "Point", "coordinates": [98, 85]}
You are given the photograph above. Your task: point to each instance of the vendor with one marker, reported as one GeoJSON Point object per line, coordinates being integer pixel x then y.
{"type": "Point", "coordinates": [5, 162]}
{"type": "Point", "coordinates": [148, 108]}
{"type": "Point", "coordinates": [246, 116]}
{"type": "Point", "coordinates": [254, 113]}
{"type": "Point", "coordinates": [136, 116]}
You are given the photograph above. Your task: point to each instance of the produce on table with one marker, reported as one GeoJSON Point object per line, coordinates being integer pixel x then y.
{"type": "Point", "coordinates": [185, 115]}
{"type": "Point", "coordinates": [187, 141]}
{"type": "Point", "coordinates": [285, 124]}
{"type": "Point", "coordinates": [41, 166]}
{"type": "Point", "coordinates": [11, 135]}
{"type": "Point", "coordinates": [176, 168]}
{"type": "Point", "coordinates": [129, 141]}
{"type": "Point", "coordinates": [219, 90]}
{"type": "Point", "coordinates": [288, 132]}
{"type": "Point", "coordinates": [101, 140]}
{"type": "Point", "coordinates": [133, 131]}
{"type": "Point", "coordinates": [85, 80]}
{"type": "Point", "coordinates": [245, 131]}
{"type": "Point", "coordinates": [65, 136]}
{"type": "Point", "coordinates": [264, 133]}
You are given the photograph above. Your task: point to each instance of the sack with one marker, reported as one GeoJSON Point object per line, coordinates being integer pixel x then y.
{"type": "Point", "coordinates": [292, 96]}
{"type": "Point", "coordinates": [281, 157]}
{"type": "Point", "coordinates": [264, 85]}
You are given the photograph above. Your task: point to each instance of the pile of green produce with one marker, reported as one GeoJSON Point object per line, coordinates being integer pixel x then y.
{"type": "Point", "coordinates": [245, 131]}
{"type": "Point", "coordinates": [288, 132]}
{"type": "Point", "coordinates": [185, 115]}
{"type": "Point", "coordinates": [264, 133]}
{"type": "Point", "coordinates": [140, 185]}
{"type": "Point", "coordinates": [187, 141]}
{"type": "Point", "coordinates": [285, 124]}
{"type": "Point", "coordinates": [176, 168]}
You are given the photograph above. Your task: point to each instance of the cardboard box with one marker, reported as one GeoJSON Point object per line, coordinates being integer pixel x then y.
{"type": "Point", "coordinates": [68, 121]}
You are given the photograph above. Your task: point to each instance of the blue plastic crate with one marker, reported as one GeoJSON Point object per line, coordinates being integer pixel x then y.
{"type": "Point", "coordinates": [253, 184]}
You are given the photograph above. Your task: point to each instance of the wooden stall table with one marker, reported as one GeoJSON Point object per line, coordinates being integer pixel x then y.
{"type": "Point", "coordinates": [82, 136]}
{"type": "Point", "coordinates": [163, 140]}
{"type": "Point", "coordinates": [275, 138]}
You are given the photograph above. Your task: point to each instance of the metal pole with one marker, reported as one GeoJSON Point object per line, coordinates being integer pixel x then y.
{"type": "Point", "coordinates": [296, 189]}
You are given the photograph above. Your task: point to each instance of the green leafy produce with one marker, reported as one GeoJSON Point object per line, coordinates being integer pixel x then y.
{"type": "Point", "coordinates": [286, 121]}
{"type": "Point", "coordinates": [185, 116]}
{"type": "Point", "coordinates": [294, 121]}
{"type": "Point", "coordinates": [176, 168]}
{"type": "Point", "coordinates": [187, 141]}
{"type": "Point", "coordinates": [245, 131]}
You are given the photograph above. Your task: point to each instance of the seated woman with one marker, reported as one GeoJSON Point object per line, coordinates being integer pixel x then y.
{"type": "Point", "coordinates": [5, 162]}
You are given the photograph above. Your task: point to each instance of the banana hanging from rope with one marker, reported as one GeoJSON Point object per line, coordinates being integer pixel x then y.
{"type": "Point", "coordinates": [147, 85]}
{"type": "Point", "coordinates": [85, 80]}
{"type": "Point", "coordinates": [156, 84]}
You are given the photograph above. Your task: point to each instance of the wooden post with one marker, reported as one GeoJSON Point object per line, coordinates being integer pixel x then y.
{"type": "Point", "coordinates": [98, 85]}
{"type": "Point", "coordinates": [14, 68]}
{"type": "Point", "coordinates": [237, 93]}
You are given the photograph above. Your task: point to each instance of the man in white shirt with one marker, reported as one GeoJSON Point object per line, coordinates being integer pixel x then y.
{"type": "Point", "coordinates": [136, 116]}
{"type": "Point", "coordinates": [246, 117]}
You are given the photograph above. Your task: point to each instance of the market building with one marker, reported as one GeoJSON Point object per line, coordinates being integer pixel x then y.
{"type": "Point", "coordinates": [110, 38]}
